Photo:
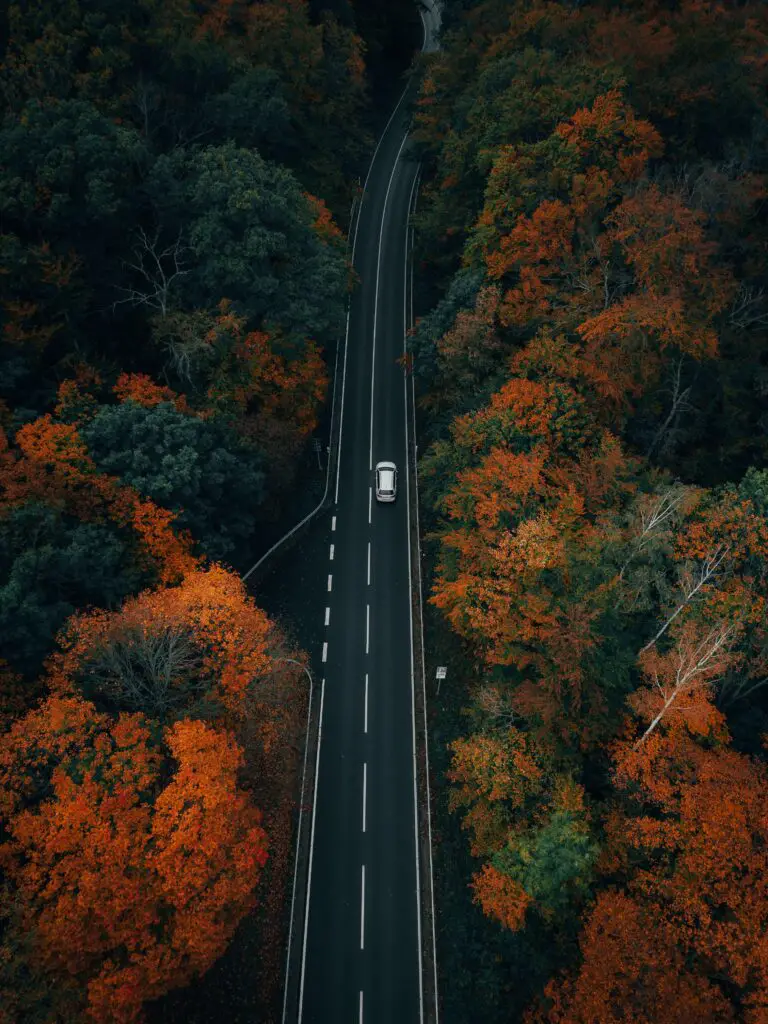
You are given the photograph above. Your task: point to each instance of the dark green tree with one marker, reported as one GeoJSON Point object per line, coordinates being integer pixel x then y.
{"type": "Point", "coordinates": [250, 232]}
{"type": "Point", "coordinates": [50, 566]}
{"type": "Point", "coordinates": [197, 468]}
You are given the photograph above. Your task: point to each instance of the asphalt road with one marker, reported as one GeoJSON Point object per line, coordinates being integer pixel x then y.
{"type": "Point", "coordinates": [361, 958]}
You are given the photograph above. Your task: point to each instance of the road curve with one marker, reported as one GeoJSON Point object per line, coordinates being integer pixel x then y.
{"type": "Point", "coordinates": [362, 944]}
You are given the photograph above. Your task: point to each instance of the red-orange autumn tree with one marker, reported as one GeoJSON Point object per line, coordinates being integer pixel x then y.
{"type": "Point", "coordinates": [685, 939]}
{"type": "Point", "coordinates": [536, 481]}
{"type": "Point", "coordinates": [202, 647]}
{"type": "Point", "coordinates": [272, 392]}
{"type": "Point", "coordinates": [130, 852]}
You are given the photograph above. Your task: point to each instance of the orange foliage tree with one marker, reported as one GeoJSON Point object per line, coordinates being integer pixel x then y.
{"type": "Point", "coordinates": [540, 484]}
{"type": "Point", "coordinates": [632, 970]}
{"type": "Point", "coordinates": [201, 647]}
{"type": "Point", "coordinates": [131, 851]}
{"type": "Point", "coordinates": [273, 392]}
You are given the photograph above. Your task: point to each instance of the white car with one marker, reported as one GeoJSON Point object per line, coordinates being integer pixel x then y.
{"type": "Point", "coordinates": [386, 481]}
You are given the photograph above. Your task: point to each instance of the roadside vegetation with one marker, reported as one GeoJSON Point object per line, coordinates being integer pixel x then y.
{"type": "Point", "coordinates": [174, 181]}
{"type": "Point", "coordinates": [591, 237]}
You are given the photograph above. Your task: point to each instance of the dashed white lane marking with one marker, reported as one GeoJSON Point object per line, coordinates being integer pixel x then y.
{"type": "Point", "coordinates": [325, 651]}
{"type": "Point", "coordinates": [331, 552]}
{"type": "Point", "coordinates": [327, 616]}
{"type": "Point", "coordinates": [365, 786]}
{"type": "Point", "coordinates": [362, 912]}
{"type": "Point", "coordinates": [367, 626]}
{"type": "Point", "coordinates": [333, 522]}
{"type": "Point", "coordinates": [361, 1008]}
{"type": "Point", "coordinates": [365, 720]}
{"type": "Point", "coordinates": [370, 504]}
{"type": "Point", "coordinates": [330, 582]}
{"type": "Point", "coordinates": [369, 563]}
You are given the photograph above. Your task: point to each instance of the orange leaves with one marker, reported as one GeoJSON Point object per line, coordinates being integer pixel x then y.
{"type": "Point", "coordinates": [208, 844]}
{"type": "Point", "coordinates": [133, 856]}
{"type": "Point", "coordinates": [494, 778]}
{"type": "Point", "coordinates": [324, 225]}
{"type": "Point", "coordinates": [167, 549]}
{"type": "Point", "coordinates": [610, 135]}
{"type": "Point", "coordinates": [203, 637]}
{"type": "Point", "coordinates": [661, 237]}
{"type": "Point", "coordinates": [501, 897]}
{"type": "Point", "coordinates": [700, 837]}
{"type": "Point", "coordinates": [279, 397]}
{"type": "Point", "coordinates": [542, 238]}
{"type": "Point", "coordinates": [55, 467]}
{"type": "Point", "coordinates": [140, 388]}
{"type": "Point", "coordinates": [540, 249]}
{"type": "Point", "coordinates": [55, 445]}
{"type": "Point", "coordinates": [631, 970]}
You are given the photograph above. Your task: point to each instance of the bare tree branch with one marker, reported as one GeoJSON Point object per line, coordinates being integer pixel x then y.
{"type": "Point", "coordinates": [651, 519]}
{"type": "Point", "coordinates": [692, 583]}
{"type": "Point", "coordinates": [748, 308]}
{"type": "Point", "coordinates": [158, 267]}
{"type": "Point", "coordinates": [694, 667]}
{"type": "Point", "coordinates": [679, 404]}
{"type": "Point", "coordinates": [155, 671]}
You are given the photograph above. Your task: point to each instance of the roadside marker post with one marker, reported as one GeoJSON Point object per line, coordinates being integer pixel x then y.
{"type": "Point", "coordinates": [442, 672]}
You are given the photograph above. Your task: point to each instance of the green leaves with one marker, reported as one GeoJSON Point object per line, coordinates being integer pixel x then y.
{"type": "Point", "coordinates": [250, 229]}
{"type": "Point", "coordinates": [553, 863]}
{"type": "Point", "coordinates": [197, 468]}
{"type": "Point", "coordinates": [67, 169]}
{"type": "Point", "coordinates": [51, 565]}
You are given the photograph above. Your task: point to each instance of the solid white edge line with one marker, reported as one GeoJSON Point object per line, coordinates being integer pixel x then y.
{"type": "Point", "coordinates": [327, 616]}
{"type": "Point", "coordinates": [365, 785]}
{"type": "Point", "coordinates": [376, 293]}
{"type": "Point", "coordinates": [367, 626]}
{"type": "Point", "coordinates": [423, 656]}
{"type": "Point", "coordinates": [349, 304]}
{"type": "Point", "coordinates": [325, 651]}
{"type": "Point", "coordinates": [369, 563]}
{"type": "Point", "coordinates": [298, 840]}
{"type": "Point", "coordinates": [365, 719]}
{"type": "Point", "coordinates": [410, 620]}
{"type": "Point", "coordinates": [311, 854]}
{"type": "Point", "coordinates": [362, 912]}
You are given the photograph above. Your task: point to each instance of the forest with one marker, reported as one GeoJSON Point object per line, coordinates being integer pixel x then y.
{"type": "Point", "coordinates": [175, 184]}
{"type": "Point", "coordinates": [591, 360]}
{"type": "Point", "coordinates": [591, 365]}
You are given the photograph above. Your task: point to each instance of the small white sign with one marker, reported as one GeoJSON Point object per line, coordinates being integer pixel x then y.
{"type": "Point", "coordinates": [442, 672]}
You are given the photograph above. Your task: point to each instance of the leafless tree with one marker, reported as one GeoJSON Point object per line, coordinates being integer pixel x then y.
{"type": "Point", "coordinates": [695, 666]}
{"type": "Point", "coordinates": [661, 510]}
{"type": "Point", "coordinates": [749, 308]}
{"type": "Point", "coordinates": [186, 340]}
{"type": "Point", "coordinates": [157, 671]}
{"type": "Point", "coordinates": [692, 581]}
{"type": "Point", "coordinates": [158, 269]}
{"type": "Point", "coordinates": [496, 705]}
{"type": "Point", "coordinates": [679, 405]}
{"type": "Point", "coordinates": [147, 101]}
{"type": "Point", "coordinates": [735, 687]}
